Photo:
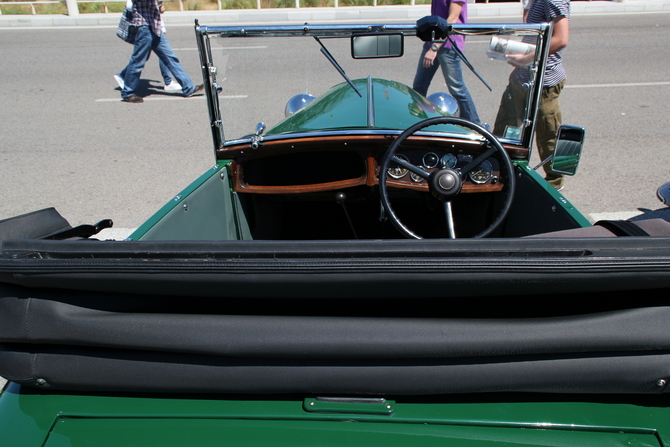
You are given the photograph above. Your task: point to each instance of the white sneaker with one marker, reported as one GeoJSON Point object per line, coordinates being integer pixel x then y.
{"type": "Point", "coordinates": [119, 80]}
{"type": "Point", "coordinates": [173, 87]}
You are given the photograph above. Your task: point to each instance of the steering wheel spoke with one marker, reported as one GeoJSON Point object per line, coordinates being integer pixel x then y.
{"type": "Point", "coordinates": [477, 161]}
{"type": "Point", "coordinates": [445, 184]}
{"type": "Point", "coordinates": [451, 229]}
{"type": "Point", "coordinates": [409, 166]}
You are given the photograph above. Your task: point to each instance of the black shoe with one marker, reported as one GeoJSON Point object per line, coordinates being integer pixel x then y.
{"type": "Point", "coordinates": [198, 89]}
{"type": "Point", "coordinates": [133, 98]}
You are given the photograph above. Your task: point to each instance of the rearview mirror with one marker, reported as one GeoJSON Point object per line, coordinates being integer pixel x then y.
{"type": "Point", "coordinates": [569, 145]}
{"type": "Point", "coordinates": [371, 46]}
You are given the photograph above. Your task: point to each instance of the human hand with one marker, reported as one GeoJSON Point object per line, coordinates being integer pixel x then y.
{"type": "Point", "coordinates": [520, 60]}
{"type": "Point", "coordinates": [429, 58]}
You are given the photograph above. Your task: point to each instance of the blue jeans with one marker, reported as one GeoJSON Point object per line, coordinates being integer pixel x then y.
{"type": "Point", "coordinates": [165, 73]}
{"type": "Point", "coordinates": [448, 59]}
{"type": "Point", "coordinates": [145, 42]}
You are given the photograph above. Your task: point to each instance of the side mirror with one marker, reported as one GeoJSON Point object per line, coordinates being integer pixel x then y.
{"type": "Point", "coordinates": [568, 150]}
{"type": "Point", "coordinates": [369, 46]}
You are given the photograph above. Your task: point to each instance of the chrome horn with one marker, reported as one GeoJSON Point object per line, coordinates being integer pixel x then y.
{"type": "Point", "coordinates": [297, 102]}
{"type": "Point", "coordinates": [444, 102]}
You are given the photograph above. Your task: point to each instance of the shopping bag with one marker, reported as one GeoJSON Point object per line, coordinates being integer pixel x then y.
{"type": "Point", "coordinates": [125, 30]}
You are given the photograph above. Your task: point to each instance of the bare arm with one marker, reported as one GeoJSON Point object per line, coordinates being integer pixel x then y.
{"type": "Point", "coordinates": [455, 9]}
{"type": "Point", "coordinates": [559, 39]}
{"type": "Point", "coordinates": [560, 35]}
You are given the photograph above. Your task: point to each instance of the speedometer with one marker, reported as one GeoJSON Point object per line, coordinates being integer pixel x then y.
{"type": "Point", "coordinates": [482, 173]}
{"type": "Point", "coordinates": [449, 160]}
{"type": "Point", "coordinates": [398, 171]}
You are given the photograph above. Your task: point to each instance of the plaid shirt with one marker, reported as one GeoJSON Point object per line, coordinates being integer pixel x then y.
{"type": "Point", "coordinates": [146, 13]}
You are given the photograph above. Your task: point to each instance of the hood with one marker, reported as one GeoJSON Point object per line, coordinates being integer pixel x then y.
{"type": "Point", "coordinates": [383, 104]}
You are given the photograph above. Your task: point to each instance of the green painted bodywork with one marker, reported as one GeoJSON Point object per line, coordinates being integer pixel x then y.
{"type": "Point", "coordinates": [393, 105]}
{"type": "Point", "coordinates": [208, 209]}
{"type": "Point", "coordinates": [567, 207]}
{"type": "Point", "coordinates": [60, 420]}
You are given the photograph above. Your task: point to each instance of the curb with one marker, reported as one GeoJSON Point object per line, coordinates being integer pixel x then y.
{"type": "Point", "coordinates": [316, 15]}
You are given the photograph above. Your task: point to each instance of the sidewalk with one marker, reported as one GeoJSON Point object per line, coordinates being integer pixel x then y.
{"type": "Point", "coordinates": [319, 15]}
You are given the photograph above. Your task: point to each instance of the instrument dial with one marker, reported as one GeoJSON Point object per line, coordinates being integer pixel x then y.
{"type": "Point", "coordinates": [449, 160]}
{"type": "Point", "coordinates": [482, 173]}
{"type": "Point", "coordinates": [415, 178]}
{"type": "Point", "coordinates": [398, 171]}
{"type": "Point", "coordinates": [430, 160]}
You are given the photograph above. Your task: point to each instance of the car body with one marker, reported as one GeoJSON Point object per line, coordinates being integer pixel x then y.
{"type": "Point", "coordinates": [370, 258]}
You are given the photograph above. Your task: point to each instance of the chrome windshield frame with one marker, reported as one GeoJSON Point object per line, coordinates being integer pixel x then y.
{"type": "Point", "coordinates": [209, 71]}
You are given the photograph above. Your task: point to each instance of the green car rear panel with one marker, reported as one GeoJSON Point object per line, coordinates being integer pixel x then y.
{"type": "Point", "coordinates": [31, 419]}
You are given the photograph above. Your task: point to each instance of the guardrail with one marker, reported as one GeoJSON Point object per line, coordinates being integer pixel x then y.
{"type": "Point", "coordinates": [73, 5]}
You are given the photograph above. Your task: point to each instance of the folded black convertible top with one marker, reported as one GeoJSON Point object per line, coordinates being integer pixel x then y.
{"type": "Point", "coordinates": [340, 318]}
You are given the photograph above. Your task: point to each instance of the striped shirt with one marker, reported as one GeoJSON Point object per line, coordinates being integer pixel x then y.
{"type": "Point", "coordinates": [547, 11]}
{"type": "Point", "coordinates": [146, 13]}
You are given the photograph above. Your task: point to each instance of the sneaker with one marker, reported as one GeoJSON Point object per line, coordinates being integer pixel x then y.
{"type": "Point", "coordinates": [173, 87]}
{"type": "Point", "coordinates": [663, 193]}
{"type": "Point", "coordinates": [198, 89]}
{"type": "Point", "coordinates": [133, 98]}
{"type": "Point", "coordinates": [119, 80]}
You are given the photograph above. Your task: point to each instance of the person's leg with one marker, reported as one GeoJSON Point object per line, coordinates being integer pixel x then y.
{"type": "Point", "coordinates": [450, 62]}
{"type": "Point", "coordinates": [163, 49]}
{"type": "Point", "coordinates": [512, 106]}
{"type": "Point", "coordinates": [133, 70]}
{"type": "Point", "coordinates": [423, 75]}
{"type": "Point", "coordinates": [548, 120]}
{"type": "Point", "coordinates": [167, 79]}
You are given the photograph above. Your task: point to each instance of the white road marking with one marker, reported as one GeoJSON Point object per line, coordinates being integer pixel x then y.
{"type": "Point", "coordinates": [172, 98]}
{"type": "Point", "coordinates": [224, 48]}
{"type": "Point", "coordinates": [630, 84]}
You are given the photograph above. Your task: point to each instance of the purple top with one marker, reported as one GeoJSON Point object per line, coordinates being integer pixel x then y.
{"type": "Point", "coordinates": [441, 8]}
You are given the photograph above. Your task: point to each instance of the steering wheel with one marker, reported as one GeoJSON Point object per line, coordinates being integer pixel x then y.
{"type": "Point", "coordinates": [446, 183]}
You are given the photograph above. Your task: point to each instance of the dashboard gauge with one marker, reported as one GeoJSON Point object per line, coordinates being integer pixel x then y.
{"type": "Point", "coordinates": [449, 160]}
{"type": "Point", "coordinates": [482, 173]}
{"type": "Point", "coordinates": [415, 177]}
{"type": "Point", "coordinates": [397, 171]}
{"type": "Point", "coordinates": [465, 158]}
{"type": "Point", "coordinates": [430, 160]}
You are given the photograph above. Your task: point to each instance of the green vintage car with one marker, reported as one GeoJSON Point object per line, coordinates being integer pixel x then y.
{"type": "Point", "coordinates": [365, 268]}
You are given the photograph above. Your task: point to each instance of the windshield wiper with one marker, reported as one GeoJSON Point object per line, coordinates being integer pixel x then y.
{"type": "Point", "coordinates": [332, 60]}
{"type": "Point", "coordinates": [466, 62]}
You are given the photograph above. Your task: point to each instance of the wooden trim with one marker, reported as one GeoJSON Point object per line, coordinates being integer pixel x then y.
{"type": "Point", "coordinates": [367, 145]}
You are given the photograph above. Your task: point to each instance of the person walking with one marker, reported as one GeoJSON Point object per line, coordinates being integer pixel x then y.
{"type": "Point", "coordinates": [447, 57]}
{"type": "Point", "coordinates": [170, 84]}
{"type": "Point", "coordinates": [549, 113]}
{"type": "Point", "coordinates": [150, 37]}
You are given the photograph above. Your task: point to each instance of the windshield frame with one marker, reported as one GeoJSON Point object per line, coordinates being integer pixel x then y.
{"type": "Point", "coordinates": [212, 88]}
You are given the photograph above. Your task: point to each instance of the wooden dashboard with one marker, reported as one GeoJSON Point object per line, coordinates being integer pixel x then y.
{"type": "Point", "coordinates": [315, 164]}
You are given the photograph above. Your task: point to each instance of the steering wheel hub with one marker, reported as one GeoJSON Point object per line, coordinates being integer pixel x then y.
{"type": "Point", "coordinates": [445, 184]}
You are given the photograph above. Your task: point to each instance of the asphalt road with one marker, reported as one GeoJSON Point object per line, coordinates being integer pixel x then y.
{"type": "Point", "coordinates": [68, 141]}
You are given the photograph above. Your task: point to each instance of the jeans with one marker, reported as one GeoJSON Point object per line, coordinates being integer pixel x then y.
{"type": "Point", "coordinates": [450, 61]}
{"type": "Point", "coordinates": [165, 73]}
{"type": "Point", "coordinates": [145, 42]}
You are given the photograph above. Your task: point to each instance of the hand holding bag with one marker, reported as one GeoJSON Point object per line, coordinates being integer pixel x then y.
{"type": "Point", "coordinates": [126, 31]}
